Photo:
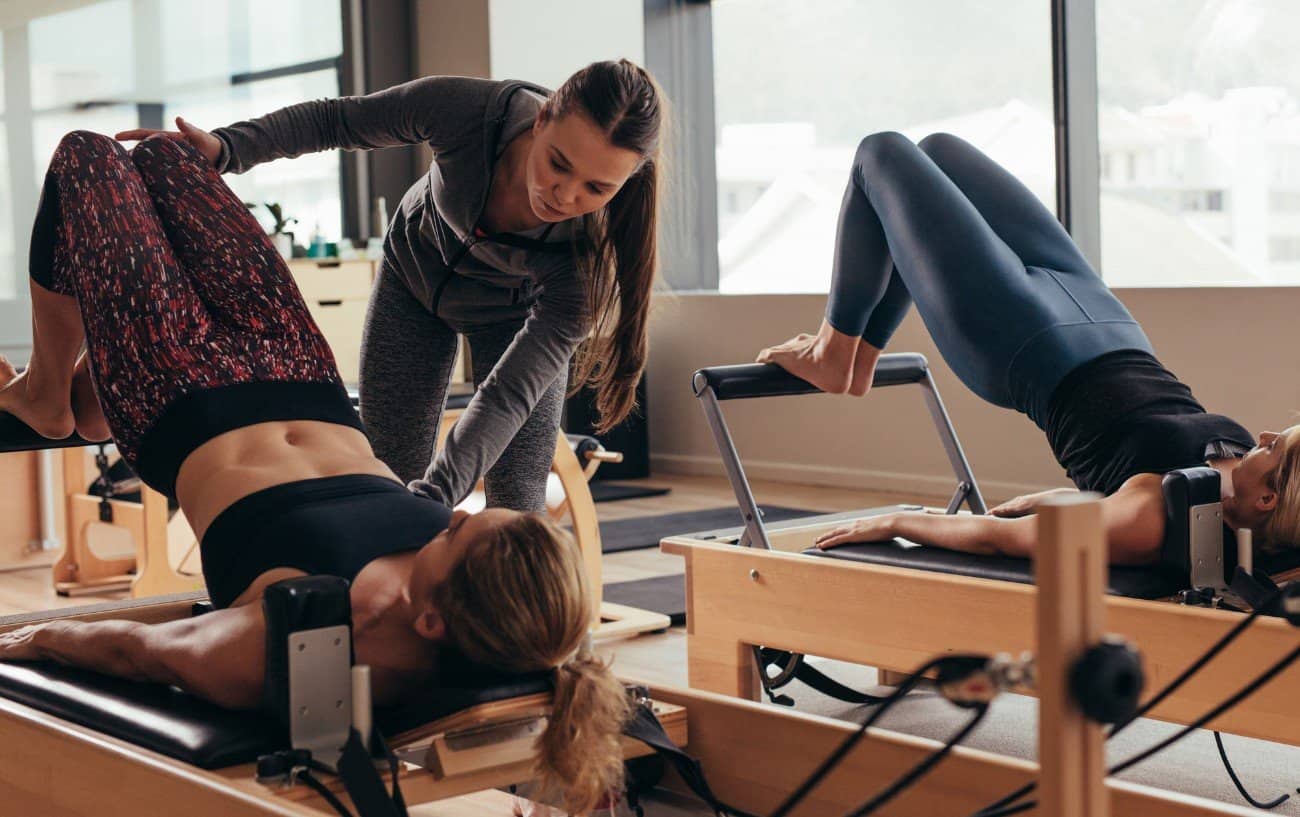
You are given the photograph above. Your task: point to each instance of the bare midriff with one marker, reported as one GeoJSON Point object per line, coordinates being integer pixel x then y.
{"type": "Point", "coordinates": [238, 463]}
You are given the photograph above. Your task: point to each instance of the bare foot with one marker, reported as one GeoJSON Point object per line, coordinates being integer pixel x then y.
{"type": "Point", "coordinates": [50, 418]}
{"type": "Point", "coordinates": [824, 360]}
{"type": "Point", "coordinates": [91, 424]}
{"type": "Point", "coordinates": [864, 369]}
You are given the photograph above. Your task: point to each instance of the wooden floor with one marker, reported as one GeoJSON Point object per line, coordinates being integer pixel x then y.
{"type": "Point", "coordinates": [658, 658]}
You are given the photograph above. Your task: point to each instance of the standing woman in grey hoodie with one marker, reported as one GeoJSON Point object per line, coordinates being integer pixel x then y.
{"type": "Point", "coordinates": [532, 232]}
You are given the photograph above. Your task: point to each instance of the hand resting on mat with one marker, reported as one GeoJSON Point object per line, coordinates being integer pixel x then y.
{"type": "Point", "coordinates": [1133, 517]}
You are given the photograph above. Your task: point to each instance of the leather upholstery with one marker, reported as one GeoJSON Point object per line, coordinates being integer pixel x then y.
{"type": "Point", "coordinates": [769, 380]}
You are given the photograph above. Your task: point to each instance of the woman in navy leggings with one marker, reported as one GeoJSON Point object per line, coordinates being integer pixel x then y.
{"type": "Point", "coordinates": [1027, 324]}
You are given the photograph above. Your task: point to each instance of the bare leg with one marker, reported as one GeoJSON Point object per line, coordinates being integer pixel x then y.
{"type": "Point", "coordinates": [825, 360]}
{"type": "Point", "coordinates": [41, 396]}
{"type": "Point", "coordinates": [864, 368]}
{"type": "Point", "coordinates": [91, 423]}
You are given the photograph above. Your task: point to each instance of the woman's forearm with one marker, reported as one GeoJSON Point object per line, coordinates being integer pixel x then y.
{"type": "Point", "coordinates": [436, 110]}
{"type": "Point", "coordinates": [970, 533]}
{"type": "Point", "coordinates": [111, 647]}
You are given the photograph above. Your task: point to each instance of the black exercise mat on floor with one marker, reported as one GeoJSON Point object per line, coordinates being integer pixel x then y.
{"type": "Point", "coordinates": [613, 491]}
{"type": "Point", "coordinates": [646, 531]}
{"type": "Point", "coordinates": [662, 594]}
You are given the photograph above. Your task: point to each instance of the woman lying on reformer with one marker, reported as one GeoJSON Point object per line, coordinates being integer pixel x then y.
{"type": "Point", "coordinates": [1025, 322]}
{"type": "Point", "coordinates": [219, 389]}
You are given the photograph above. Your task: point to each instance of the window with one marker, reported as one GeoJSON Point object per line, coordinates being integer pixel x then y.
{"type": "Point", "coordinates": [797, 86]}
{"type": "Point", "coordinates": [116, 64]}
{"type": "Point", "coordinates": [1203, 96]}
{"type": "Point", "coordinates": [1284, 249]}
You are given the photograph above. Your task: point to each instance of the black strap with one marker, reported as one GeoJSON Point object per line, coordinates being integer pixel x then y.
{"type": "Point", "coordinates": [645, 727]}
{"type": "Point", "coordinates": [363, 783]}
{"type": "Point", "coordinates": [808, 675]}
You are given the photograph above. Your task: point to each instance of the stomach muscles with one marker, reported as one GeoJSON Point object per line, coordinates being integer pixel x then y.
{"type": "Point", "coordinates": [238, 463]}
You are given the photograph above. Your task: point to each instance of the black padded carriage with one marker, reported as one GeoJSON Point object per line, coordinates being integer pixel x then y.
{"type": "Point", "coordinates": [165, 720]}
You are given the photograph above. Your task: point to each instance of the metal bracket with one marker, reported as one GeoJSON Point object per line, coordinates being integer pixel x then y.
{"type": "Point", "coordinates": [320, 691]}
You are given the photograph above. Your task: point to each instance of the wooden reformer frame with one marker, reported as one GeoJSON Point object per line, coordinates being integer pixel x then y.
{"type": "Point", "coordinates": [891, 618]}
{"type": "Point", "coordinates": [52, 767]}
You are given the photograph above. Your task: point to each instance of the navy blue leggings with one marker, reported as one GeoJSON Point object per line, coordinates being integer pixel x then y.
{"type": "Point", "coordinates": [1010, 301]}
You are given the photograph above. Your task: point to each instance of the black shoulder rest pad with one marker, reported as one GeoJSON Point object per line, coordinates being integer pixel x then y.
{"type": "Point", "coordinates": [172, 723]}
{"type": "Point", "coordinates": [1183, 489]}
{"type": "Point", "coordinates": [769, 380]}
{"type": "Point", "coordinates": [290, 606]}
{"type": "Point", "coordinates": [1153, 582]}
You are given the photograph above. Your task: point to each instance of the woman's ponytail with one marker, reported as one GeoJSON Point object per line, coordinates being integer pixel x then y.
{"type": "Point", "coordinates": [520, 601]}
{"type": "Point", "coordinates": [580, 753]}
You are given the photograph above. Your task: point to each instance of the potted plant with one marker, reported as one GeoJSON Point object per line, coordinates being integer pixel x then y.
{"type": "Point", "coordinates": [280, 237]}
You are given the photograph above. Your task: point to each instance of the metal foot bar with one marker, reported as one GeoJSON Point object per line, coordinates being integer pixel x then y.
{"type": "Point", "coordinates": [718, 383]}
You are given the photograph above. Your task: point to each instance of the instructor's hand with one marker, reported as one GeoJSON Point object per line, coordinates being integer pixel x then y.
{"type": "Point", "coordinates": [204, 142]}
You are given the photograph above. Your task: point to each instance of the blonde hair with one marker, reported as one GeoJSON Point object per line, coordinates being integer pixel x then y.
{"type": "Point", "coordinates": [1282, 528]}
{"type": "Point", "coordinates": [520, 601]}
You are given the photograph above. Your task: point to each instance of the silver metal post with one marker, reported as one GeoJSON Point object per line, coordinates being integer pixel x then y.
{"type": "Point", "coordinates": [755, 533]}
{"type": "Point", "coordinates": [967, 488]}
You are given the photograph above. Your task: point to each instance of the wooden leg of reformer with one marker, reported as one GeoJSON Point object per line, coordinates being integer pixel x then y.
{"type": "Point", "coordinates": [608, 620]}
{"type": "Point", "coordinates": [77, 567]}
{"type": "Point", "coordinates": [890, 678]}
{"type": "Point", "coordinates": [155, 575]}
{"type": "Point", "coordinates": [717, 658]}
{"type": "Point", "coordinates": [1070, 567]}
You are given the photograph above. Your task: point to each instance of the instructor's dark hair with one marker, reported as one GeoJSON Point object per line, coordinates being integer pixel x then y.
{"type": "Point", "coordinates": [618, 250]}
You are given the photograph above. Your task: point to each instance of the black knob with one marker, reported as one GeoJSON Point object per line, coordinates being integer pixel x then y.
{"type": "Point", "coordinates": [1107, 681]}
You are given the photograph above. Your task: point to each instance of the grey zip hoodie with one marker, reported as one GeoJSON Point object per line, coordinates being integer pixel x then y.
{"type": "Point", "coordinates": [467, 123]}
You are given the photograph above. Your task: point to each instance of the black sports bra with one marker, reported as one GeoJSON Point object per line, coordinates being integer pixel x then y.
{"type": "Point", "coordinates": [330, 526]}
{"type": "Point", "coordinates": [1124, 414]}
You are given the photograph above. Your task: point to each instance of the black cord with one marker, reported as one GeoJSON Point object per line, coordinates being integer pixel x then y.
{"type": "Point", "coordinates": [997, 807]}
{"type": "Point", "coordinates": [920, 769]}
{"type": "Point", "coordinates": [310, 779]}
{"type": "Point", "coordinates": [1233, 700]}
{"type": "Point", "coordinates": [852, 740]}
{"type": "Point", "coordinates": [1241, 788]}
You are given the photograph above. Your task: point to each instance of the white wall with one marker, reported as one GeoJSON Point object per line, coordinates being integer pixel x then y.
{"type": "Point", "coordinates": [546, 42]}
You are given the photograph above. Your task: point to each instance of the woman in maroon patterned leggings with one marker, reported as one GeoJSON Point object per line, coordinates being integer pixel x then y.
{"type": "Point", "coordinates": [217, 387]}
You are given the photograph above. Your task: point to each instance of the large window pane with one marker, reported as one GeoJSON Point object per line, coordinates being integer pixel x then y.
{"type": "Point", "coordinates": [108, 65]}
{"type": "Point", "coordinates": [49, 128]}
{"type": "Point", "coordinates": [799, 84]}
{"type": "Point", "coordinates": [306, 188]}
{"type": "Point", "coordinates": [82, 55]}
{"type": "Point", "coordinates": [288, 32]}
{"type": "Point", "coordinates": [220, 38]}
{"type": "Point", "coordinates": [1200, 141]}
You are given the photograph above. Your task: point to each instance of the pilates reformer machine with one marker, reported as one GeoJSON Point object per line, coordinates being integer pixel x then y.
{"type": "Point", "coordinates": [753, 610]}
{"type": "Point", "coordinates": [158, 534]}
{"type": "Point", "coordinates": [76, 743]}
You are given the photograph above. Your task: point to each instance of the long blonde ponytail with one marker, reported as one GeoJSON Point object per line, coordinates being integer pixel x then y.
{"type": "Point", "coordinates": [520, 601]}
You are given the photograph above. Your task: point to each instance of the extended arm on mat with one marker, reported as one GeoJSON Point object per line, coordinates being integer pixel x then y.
{"type": "Point", "coordinates": [769, 380]}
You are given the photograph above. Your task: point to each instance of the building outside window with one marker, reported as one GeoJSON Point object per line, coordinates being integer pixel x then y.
{"type": "Point", "coordinates": [1201, 98]}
